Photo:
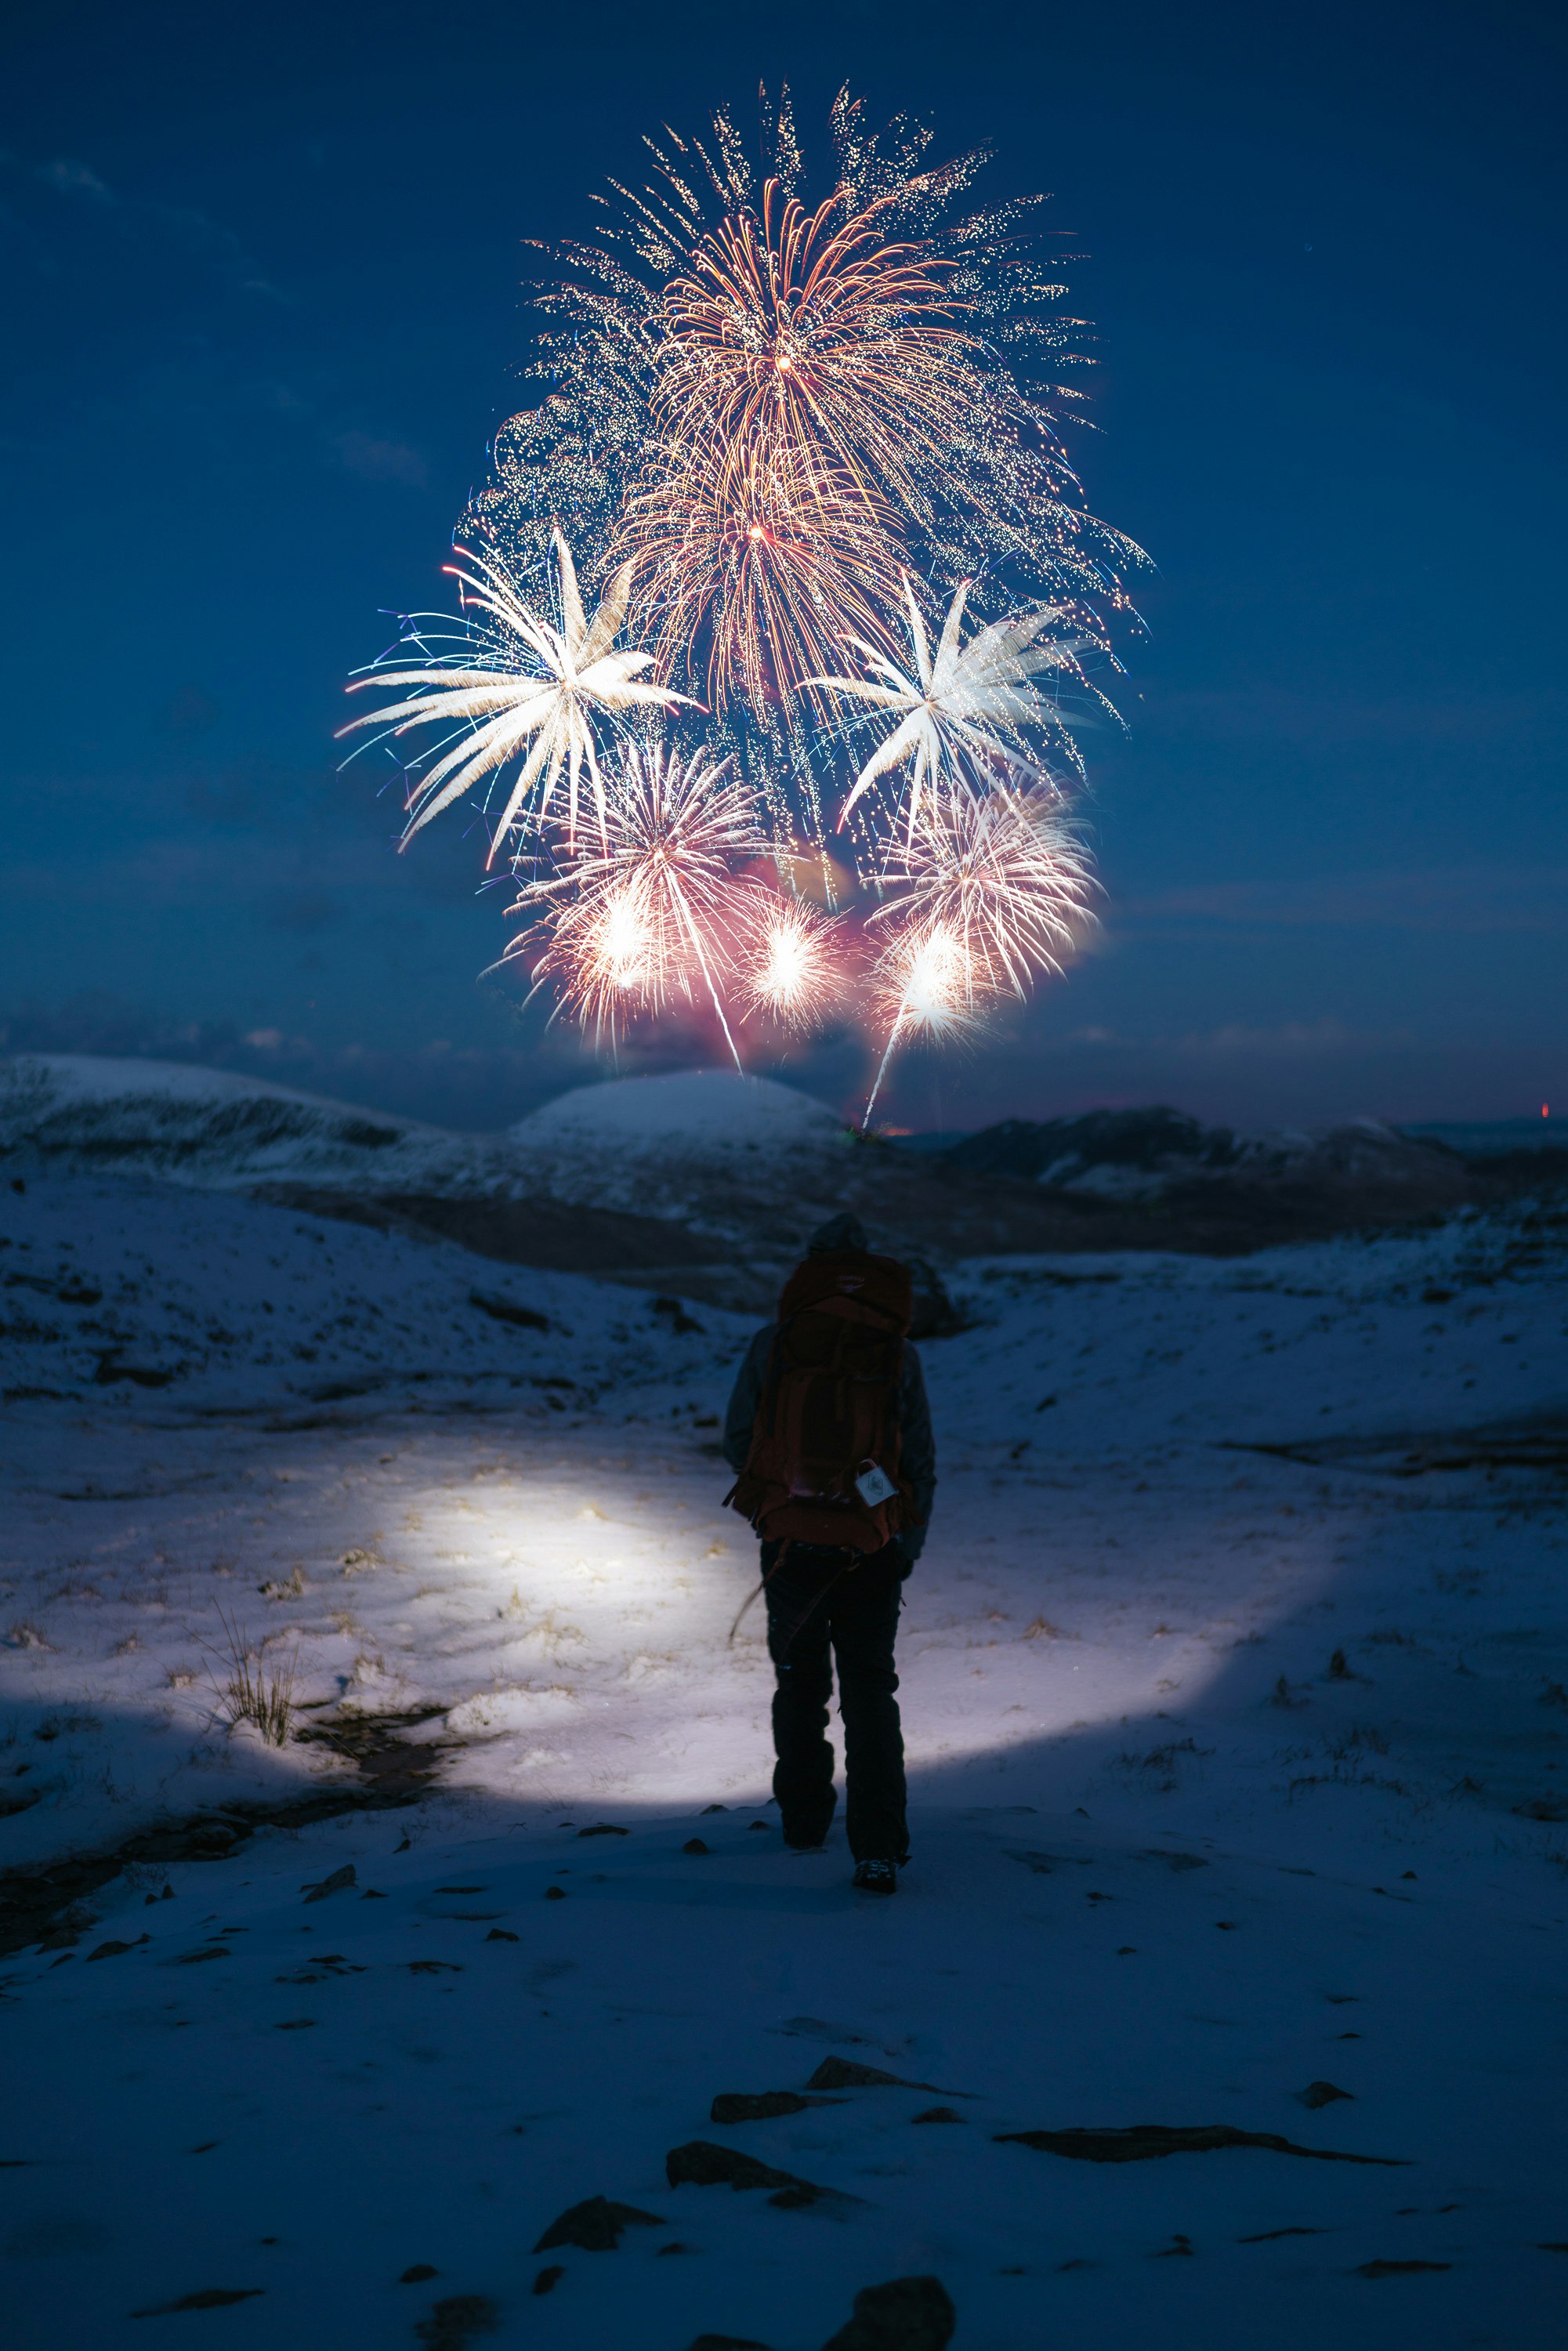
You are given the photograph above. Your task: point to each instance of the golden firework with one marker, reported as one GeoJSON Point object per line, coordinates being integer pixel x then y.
{"type": "Point", "coordinates": [815, 342]}
{"type": "Point", "coordinates": [753, 571]}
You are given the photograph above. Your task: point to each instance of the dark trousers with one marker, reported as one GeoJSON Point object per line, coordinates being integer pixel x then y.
{"type": "Point", "coordinates": [825, 1607]}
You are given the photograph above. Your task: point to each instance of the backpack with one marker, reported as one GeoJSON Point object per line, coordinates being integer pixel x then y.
{"type": "Point", "coordinates": [828, 1412]}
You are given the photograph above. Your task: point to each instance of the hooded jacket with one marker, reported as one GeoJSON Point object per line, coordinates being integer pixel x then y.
{"type": "Point", "coordinates": [917, 1461]}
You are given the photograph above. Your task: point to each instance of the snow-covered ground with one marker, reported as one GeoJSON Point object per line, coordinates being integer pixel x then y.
{"type": "Point", "coordinates": [1236, 1692]}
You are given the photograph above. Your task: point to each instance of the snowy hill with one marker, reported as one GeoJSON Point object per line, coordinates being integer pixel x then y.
{"type": "Point", "coordinates": [694, 1112]}
{"type": "Point", "coordinates": [702, 1146]}
{"type": "Point", "coordinates": [1148, 1154]}
{"type": "Point", "coordinates": [130, 1288]}
{"type": "Point", "coordinates": [213, 1129]}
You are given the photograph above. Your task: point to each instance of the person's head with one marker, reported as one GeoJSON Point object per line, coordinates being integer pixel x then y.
{"type": "Point", "coordinates": [840, 1233]}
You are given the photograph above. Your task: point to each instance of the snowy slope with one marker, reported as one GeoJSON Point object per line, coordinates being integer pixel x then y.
{"type": "Point", "coordinates": [691, 1112]}
{"type": "Point", "coordinates": [211, 1128]}
{"type": "Point", "coordinates": [1234, 1685]}
{"type": "Point", "coordinates": [137, 1289]}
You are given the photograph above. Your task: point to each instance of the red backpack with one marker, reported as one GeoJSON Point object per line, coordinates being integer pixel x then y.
{"type": "Point", "coordinates": [829, 1416]}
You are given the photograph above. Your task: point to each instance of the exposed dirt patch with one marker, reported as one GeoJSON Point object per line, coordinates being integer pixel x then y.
{"type": "Point", "coordinates": [1141, 2142]}
{"type": "Point", "coordinates": [761, 2106]}
{"type": "Point", "coordinates": [847, 2074]}
{"type": "Point", "coordinates": [704, 2165]}
{"type": "Point", "coordinates": [907, 2313]}
{"type": "Point", "coordinates": [595, 2226]}
{"type": "Point", "coordinates": [42, 1902]}
{"type": "Point", "coordinates": [556, 1235]}
{"type": "Point", "coordinates": [455, 2323]}
{"type": "Point", "coordinates": [207, 2297]}
{"type": "Point", "coordinates": [390, 1766]}
{"type": "Point", "coordinates": [1539, 1443]}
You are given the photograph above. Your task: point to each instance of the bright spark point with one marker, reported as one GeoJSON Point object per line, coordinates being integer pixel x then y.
{"type": "Point", "coordinates": [793, 971]}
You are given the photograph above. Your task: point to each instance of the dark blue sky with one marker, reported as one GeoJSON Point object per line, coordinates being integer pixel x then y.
{"type": "Point", "coordinates": [262, 303]}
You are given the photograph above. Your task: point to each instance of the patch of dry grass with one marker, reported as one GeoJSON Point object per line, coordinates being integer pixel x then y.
{"type": "Point", "coordinates": [247, 1689]}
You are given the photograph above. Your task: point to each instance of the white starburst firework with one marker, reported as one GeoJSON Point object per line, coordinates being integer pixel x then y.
{"type": "Point", "coordinates": [533, 683]}
{"type": "Point", "coordinates": [966, 713]}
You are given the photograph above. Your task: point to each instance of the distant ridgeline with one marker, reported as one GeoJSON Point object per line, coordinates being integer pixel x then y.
{"type": "Point", "coordinates": [1142, 1151]}
{"type": "Point", "coordinates": [1487, 1138]}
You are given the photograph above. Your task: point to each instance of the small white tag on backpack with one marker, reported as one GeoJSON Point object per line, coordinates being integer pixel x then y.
{"type": "Point", "coordinates": [874, 1485]}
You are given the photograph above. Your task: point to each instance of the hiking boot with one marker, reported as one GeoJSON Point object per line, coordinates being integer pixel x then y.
{"type": "Point", "coordinates": [877, 1877]}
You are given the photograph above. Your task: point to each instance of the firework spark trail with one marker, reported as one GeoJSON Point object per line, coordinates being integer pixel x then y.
{"type": "Point", "coordinates": [573, 677]}
{"type": "Point", "coordinates": [803, 368]}
{"type": "Point", "coordinates": [752, 568]}
{"type": "Point", "coordinates": [995, 888]}
{"type": "Point", "coordinates": [931, 993]}
{"type": "Point", "coordinates": [635, 926]}
{"type": "Point", "coordinates": [808, 336]}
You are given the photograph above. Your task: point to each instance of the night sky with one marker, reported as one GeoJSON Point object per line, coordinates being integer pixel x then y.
{"type": "Point", "coordinates": [263, 312]}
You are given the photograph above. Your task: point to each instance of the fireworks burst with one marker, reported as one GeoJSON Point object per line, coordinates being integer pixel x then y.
{"type": "Point", "coordinates": [780, 430]}
{"type": "Point", "coordinates": [531, 679]}
{"type": "Point", "coordinates": [995, 890]}
{"type": "Point", "coordinates": [803, 364]}
{"type": "Point", "coordinates": [807, 336]}
{"type": "Point", "coordinates": [872, 378]}
{"type": "Point", "coordinates": [972, 711]}
{"type": "Point", "coordinates": [753, 568]}
{"type": "Point", "coordinates": [654, 916]}
{"type": "Point", "coordinates": [792, 970]}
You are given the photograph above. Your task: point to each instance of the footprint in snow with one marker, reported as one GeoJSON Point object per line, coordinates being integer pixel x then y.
{"type": "Point", "coordinates": [454, 2324]}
